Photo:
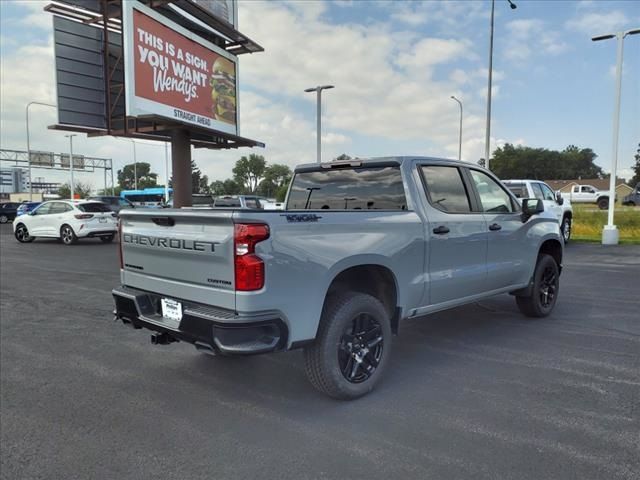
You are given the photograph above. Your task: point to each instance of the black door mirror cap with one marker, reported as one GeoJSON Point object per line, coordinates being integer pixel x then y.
{"type": "Point", "coordinates": [530, 207]}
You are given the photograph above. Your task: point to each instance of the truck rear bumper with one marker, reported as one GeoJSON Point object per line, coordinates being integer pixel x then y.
{"type": "Point", "coordinates": [210, 329]}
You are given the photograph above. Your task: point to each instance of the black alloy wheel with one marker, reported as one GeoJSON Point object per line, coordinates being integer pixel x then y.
{"type": "Point", "coordinates": [548, 287]}
{"type": "Point", "coordinates": [22, 234]}
{"type": "Point", "coordinates": [360, 349]}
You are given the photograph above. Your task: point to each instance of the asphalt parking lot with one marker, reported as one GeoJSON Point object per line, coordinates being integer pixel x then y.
{"type": "Point", "coordinates": [476, 392]}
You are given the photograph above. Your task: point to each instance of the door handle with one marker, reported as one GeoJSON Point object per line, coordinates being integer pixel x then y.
{"type": "Point", "coordinates": [495, 227]}
{"type": "Point", "coordinates": [441, 230]}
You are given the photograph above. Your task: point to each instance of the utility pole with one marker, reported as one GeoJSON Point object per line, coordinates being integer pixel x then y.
{"type": "Point", "coordinates": [318, 91]}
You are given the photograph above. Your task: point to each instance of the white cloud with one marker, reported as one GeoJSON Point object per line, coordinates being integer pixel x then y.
{"type": "Point", "coordinates": [532, 36]}
{"type": "Point", "coordinates": [597, 23]}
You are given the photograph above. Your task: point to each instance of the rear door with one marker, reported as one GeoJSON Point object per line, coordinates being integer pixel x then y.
{"type": "Point", "coordinates": [505, 262]}
{"type": "Point", "coordinates": [184, 254]}
{"type": "Point", "coordinates": [457, 246]}
{"type": "Point", "coordinates": [56, 218]}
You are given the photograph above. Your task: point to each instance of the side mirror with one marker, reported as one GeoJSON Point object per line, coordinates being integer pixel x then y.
{"type": "Point", "coordinates": [530, 207]}
{"type": "Point", "coordinates": [559, 199]}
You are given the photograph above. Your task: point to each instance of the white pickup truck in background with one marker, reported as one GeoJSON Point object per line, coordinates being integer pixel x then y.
{"type": "Point", "coordinates": [588, 194]}
{"type": "Point", "coordinates": [553, 202]}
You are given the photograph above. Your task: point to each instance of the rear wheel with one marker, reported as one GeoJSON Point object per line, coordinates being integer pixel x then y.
{"type": "Point", "coordinates": [352, 348]}
{"type": "Point", "coordinates": [4, 219]}
{"type": "Point", "coordinates": [67, 235]}
{"type": "Point", "coordinates": [603, 203]}
{"type": "Point", "coordinates": [566, 229]}
{"type": "Point", "coordinates": [22, 234]}
{"type": "Point", "coordinates": [107, 238]}
{"type": "Point", "coordinates": [546, 285]}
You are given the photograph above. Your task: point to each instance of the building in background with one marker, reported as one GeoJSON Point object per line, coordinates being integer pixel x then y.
{"type": "Point", "coordinates": [13, 180]}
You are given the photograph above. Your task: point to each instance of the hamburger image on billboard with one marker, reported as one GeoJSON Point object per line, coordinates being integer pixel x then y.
{"type": "Point", "coordinates": [177, 75]}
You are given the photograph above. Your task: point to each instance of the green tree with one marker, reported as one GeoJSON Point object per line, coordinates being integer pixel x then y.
{"type": "Point", "coordinates": [249, 171]}
{"type": "Point", "coordinates": [281, 193]}
{"type": "Point", "coordinates": [146, 178]}
{"type": "Point", "coordinates": [636, 169]}
{"type": "Point", "coordinates": [231, 187]}
{"type": "Point", "coordinates": [543, 164]}
{"type": "Point", "coordinates": [82, 189]}
{"type": "Point", "coordinates": [277, 174]}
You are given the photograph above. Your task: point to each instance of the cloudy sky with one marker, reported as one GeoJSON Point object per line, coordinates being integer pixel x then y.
{"type": "Point", "coordinates": [395, 66]}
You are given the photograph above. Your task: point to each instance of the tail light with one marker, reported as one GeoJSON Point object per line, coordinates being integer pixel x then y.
{"type": "Point", "coordinates": [120, 244]}
{"type": "Point", "coordinates": [83, 216]}
{"type": "Point", "coordinates": [248, 266]}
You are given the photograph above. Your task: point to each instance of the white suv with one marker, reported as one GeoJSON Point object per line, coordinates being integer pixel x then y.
{"type": "Point", "coordinates": [67, 220]}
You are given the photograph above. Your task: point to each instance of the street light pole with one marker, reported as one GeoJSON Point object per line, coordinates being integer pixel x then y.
{"type": "Point", "coordinates": [135, 166]}
{"type": "Point", "coordinates": [487, 138]}
{"type": "Point", "coordinates": [166, 171]}
{"type": "Point", "coordinates": [610, 233]}
{"type": "Point", "coordinates": [29, 145]}
{"type": "Point", "coordinates": [318, 90]}
{"type": "Point", "coordinates": [70, 137]}
{"type": "Point", "coordinates": [460, 135]}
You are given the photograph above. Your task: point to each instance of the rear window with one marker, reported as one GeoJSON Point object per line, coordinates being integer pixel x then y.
{"type": "Point", "coordinates": [201, 200]}
{"type": "Point", "coordinates": [369, 188]}
{"type": "Point", "coordinates": [252, 203]}
{"type": "Point", "coordinates": [93, 207]}
{"type": "Point", "coordinates": [227, 202]}
{"type": "Point", "coordinates": [518, 189]}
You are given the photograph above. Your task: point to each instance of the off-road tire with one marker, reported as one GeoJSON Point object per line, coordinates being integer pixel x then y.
{"type": "Point", "coordinates": [20, 232]}
{"type": "Point", "coordinates": [322, 358]}
{"type": "Point", "coordinates": [67, 235]}
{"type": "Point", "coordinates": [534, 305]}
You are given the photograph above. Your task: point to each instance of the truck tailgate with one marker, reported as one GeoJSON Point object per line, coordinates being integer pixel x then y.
{"type": "Point", "coordinates": [181, 253]}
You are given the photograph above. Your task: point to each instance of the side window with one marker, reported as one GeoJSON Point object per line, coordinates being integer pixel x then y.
{"type": "Point", "coordinates": [57, 207]}
{"type": "Point", "coordinates": [42, 209]}
{"type": "Point", "coordinates": [537, 191]}
{"type": "Point", "coordinates": [547, 192]}
{"type": "Point", "coordinates": [518, 189]}
{"type": "Point", "coordinates": [587, 189]}
{"type": "Point", "coordinates": [445, 189]}
{"type": "Point", "coordinates": [493, 197]}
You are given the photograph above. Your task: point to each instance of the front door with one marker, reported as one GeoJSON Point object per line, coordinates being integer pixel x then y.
{"type": "Point", "coordinates": [505, 262]}
{"type": "Point", "coordinates": [457, 237]}
{"type": "Point", "coordinates": [37, 223]}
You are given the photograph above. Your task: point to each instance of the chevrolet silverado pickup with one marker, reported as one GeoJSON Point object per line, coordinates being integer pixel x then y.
{"type": "Point", "coordinates": [360, 246]}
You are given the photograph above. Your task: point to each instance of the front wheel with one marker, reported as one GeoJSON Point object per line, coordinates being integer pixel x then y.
{"type": "Point", "coordinates": [352, 348]}
{"type": "Point", "coordinates": [67, 235]}
{"type": "Point", "coordinates": [546, 285]}
{"type": "Point", "coordinates": [107, 238]}
{"type": "Point", "coordinates": [565, 228]}
{"type": "Point", "coordinates": [22, 234]}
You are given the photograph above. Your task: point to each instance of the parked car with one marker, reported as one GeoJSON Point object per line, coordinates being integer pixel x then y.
{"type": "Point", "coordinates": [588, 194]}
{"type": "Point", "coordinates": [633, 198]}
{"type": "Point", "coordinates": [8, 211]}
{"type": "Point", "coordinates": [67, 220]}
{"type": "Point", "coordinates": [360, 246]}
{"type": "Point", "coordinates": [26, 207]}
{"type": "Point", "coordinates": [553, 202]}
{"type": "Point", "coordinates": [115, 203]}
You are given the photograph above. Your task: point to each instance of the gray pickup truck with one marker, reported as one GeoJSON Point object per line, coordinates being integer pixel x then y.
{"type": "Point", "coordinates": [361, 245]}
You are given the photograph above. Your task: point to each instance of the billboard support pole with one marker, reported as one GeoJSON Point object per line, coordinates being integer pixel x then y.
{"type": "Point", "coordinates": [113, 191]}
{"type": "Point", "coordinates": [181, 166]}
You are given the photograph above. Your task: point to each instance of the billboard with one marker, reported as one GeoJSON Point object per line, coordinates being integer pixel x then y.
{"type": "Point", "coordinates": [175, 74]}
{"type": "Point", "coordinates": [226, 10]}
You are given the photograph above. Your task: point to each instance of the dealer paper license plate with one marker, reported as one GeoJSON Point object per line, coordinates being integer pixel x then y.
{"type": "Point", "coordinates": [171, 309]}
